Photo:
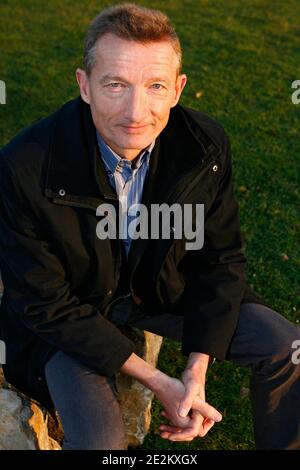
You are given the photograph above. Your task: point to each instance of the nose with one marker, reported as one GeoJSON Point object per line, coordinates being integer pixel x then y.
{"type": "Point", "coordinates": [136, 106]}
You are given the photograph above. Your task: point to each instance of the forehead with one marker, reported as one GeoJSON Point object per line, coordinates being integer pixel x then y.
{"type": "Point", "coordinates": [114, 52]}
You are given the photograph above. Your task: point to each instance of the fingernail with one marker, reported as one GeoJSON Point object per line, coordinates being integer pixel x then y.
{"type": "Point", "coordinates": [217, 418]}
{"type": "Point", "coordinates": [183, 412]}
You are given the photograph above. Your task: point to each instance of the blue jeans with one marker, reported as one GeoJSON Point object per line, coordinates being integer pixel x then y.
{"type": "Point", "coordinates": [90, 414]}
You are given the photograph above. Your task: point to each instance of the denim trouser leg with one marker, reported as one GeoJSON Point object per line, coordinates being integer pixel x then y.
{"type": "Point", "coordinates": [86, 404]}
{"type": "Point", "coordinates": [263, 340]}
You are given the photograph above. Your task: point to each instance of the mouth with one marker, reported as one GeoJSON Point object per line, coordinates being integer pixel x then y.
{"type": "Point", "coordinates": [133, 129]}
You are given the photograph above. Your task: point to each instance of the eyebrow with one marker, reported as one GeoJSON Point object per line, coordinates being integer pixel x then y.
{"type": "Point", "coordinates": [114, 78]}
{"type": "Point", "coordinates": [159, 79]}
{"type": "Point", "coordinates": [117, 78]}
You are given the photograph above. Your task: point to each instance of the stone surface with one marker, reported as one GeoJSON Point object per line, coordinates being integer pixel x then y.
{"type": "Point", "coordinates": [2, 380]}
{"type": "Point", "coordinates": [12, 434]}
{"type": "Point", "coordinates": [36, 423]}
{"type": "Point", "coordinates": [135, 399]}
{"type": "Point", "coordinates": [23, 425]}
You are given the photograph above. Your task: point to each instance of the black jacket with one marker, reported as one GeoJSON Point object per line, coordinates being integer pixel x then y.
{"type": "Point", "coordinates": [59, 278]}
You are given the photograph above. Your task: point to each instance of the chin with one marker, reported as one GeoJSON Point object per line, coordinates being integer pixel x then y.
{"type": "Point", "coordinates": [136, 143]}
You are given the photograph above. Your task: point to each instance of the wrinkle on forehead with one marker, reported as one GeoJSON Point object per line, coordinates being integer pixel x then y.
{"type": "Point", "coordinates": [119, 54]}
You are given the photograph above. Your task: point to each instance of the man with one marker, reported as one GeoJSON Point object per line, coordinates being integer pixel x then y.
{"type": "Point", "coordinates": [68, 291]}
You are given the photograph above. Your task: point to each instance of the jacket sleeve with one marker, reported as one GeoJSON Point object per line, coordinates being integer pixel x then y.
{"type": "Point", "coordinates": [39, 293]}
{"type": "Point", "coordinates": [215, 274]}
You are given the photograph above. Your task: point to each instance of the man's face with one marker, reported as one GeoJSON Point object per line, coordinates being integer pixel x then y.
{"type": "Point", "coordinates": [131, 89]}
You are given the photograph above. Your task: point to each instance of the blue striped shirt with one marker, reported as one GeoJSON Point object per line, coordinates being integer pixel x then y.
{"type": "Point", "coordinates": [127, 177]}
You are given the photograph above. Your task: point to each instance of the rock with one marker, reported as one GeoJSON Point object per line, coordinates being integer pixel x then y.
{"type": "Point", "coordinates": [2, 379]}
{"type": "Point", "coordinates": [12, 435]}
{"type": "Point", "coordinates": [36, 423]}
{"type": "Point", "coordinates": [23, 425]}
{"type": "Point", "coordinates": [135, 399]}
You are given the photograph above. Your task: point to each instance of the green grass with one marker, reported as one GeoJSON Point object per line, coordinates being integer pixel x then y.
{"type": "Point", "coordinates": [243, 57]}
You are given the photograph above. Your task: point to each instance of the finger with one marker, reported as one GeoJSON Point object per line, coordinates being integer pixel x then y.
{"type": "Point", "coordinates": [175, 419]}
{"type": "Point", "coordinates": [207, 410]}
{"type": "Point", "coordinates": [192, 431]}
{"type": "Point", "coordinates": [165, 415]}
{"type": "Point", "coordinates": [169, 428]}
{"type": "Point", "coordinates": [175, 422]}
{"type": "Point", "coordinates": [165, 435]}
{"type": "Point", "coordinates": [171, 437]}
{"type": "Point", "coordinates": [199, 429]}
{"type": "Point", "coordinates": [207, 425]}
{"type": "Point", "coordinates": [187, 400]}
{"type": "Point", "coordinates": [182, 436]}
{"type": "Point", "coordinates": [180, 422]}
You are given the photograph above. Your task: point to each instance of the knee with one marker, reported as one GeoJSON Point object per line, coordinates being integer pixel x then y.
{"type": "Point", "coordinates": [296, 348]}
{"type": "Point", "coordinates": [286, 342]}
{"type": "Point", "coordinates": [277, 337]}
{"type": "Point", "coordinates": [113, 440]}
{"type": "Point", "coordinates": [288, 339]}
{"type": "Point", "coordinates": [286, 347]}
{"type": "Point", "coordinates": [95, 430]}
{"type": "Point", "coordinates": [93, 444]}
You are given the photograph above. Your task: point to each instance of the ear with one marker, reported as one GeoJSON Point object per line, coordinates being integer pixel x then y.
{"type": "Point", "coordinates": [84, 85]}
{"type": "Point", "coordinates": [179, 86]}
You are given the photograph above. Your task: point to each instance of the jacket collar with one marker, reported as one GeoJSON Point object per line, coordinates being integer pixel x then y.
{"type": "Point", "coordinates": [76, 173]}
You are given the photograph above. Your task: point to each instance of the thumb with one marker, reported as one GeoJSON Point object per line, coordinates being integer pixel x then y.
{"type": "Point", "coordinates": [207, 410]}
{"type": "Point", "coordinates": [187, 402]}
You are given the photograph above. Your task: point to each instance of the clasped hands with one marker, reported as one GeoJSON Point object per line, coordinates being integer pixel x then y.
{"type": "Point", "coordinates": [185, 408]}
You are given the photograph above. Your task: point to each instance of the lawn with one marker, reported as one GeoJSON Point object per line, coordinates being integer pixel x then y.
{"type": "Point", "coordinates": [240, 58]}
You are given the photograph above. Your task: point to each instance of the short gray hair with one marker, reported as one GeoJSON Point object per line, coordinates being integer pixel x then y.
{"type": "Point", "coordinates": [133, 23]}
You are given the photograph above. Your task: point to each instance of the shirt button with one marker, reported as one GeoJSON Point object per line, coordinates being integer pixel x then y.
{"type": "Point", "coordinates": [40, 379]}
{"type": "Point", "coordinates": [62, 192]}
{"type": "Point", "coordinates": [109, 292]}
{"type": "Point", "coordinates": [215, 168]}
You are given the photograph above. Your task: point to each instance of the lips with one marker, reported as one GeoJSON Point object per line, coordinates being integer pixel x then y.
{"type": "Point", "coordinates": [133, 129]}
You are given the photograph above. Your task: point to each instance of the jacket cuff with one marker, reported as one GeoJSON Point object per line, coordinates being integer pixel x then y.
{"type": "Point", "coordinates": [206, 337]}
{"type": "Point", "coordinates": [111, 363]}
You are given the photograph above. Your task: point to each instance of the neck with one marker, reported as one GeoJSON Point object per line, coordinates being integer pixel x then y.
{"type": "Point", "coordinates": [129, 154]}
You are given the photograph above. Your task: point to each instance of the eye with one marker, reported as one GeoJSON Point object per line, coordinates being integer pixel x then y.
{"type": "Point", "coordinates": [114, 85]}
{"type": "Point", "coordinates": [157, 86]}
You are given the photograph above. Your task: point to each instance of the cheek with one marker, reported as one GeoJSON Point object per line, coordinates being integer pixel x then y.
{"type": "Point", "coordinates": [105, 109]}
{"type": "Point", "coordinates": [161, 112]}
{"type": "Point", "coordinates": [101, 101]}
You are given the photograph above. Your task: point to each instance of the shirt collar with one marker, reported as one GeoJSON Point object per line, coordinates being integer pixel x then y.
{"type": "Point", "coordinates": [111, 159]}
